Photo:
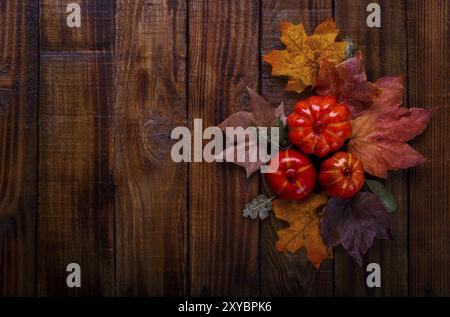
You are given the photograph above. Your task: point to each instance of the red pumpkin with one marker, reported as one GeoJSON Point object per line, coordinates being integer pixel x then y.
{"type": "Point", "coordinates": [294, 177]}
{"type": "Point", "coordinates": [342, 175]}
{"type": "Point", "coordinates": [319, 125]}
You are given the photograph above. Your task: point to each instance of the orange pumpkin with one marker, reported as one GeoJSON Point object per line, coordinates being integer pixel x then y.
{"type": "Point", "coordinates": [319, 125]}
{"type": "Point", "coordinates": [294, 177]}
{"type": "Point", "coordinates": [342, 175]}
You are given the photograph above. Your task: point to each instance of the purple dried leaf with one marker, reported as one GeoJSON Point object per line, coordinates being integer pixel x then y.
{"type": "Point", "coordinates": [355, 223]}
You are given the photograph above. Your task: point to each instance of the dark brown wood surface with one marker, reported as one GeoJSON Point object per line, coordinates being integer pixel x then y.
{"type": "Point", "coordinates": [151, 217]}
{"type": "Point", "coordinates": [76, 189]}
{"type": "Point", "coordinates": [223, 248]}
{"type": "Point", "coordinates": [18, 146]}
{"type": "Point", "coordinates": [86, 116]}
{"type": "Point", "coordinates": [428, 72]}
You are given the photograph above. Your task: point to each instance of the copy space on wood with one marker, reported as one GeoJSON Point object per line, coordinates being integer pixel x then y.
{"type": "Point", "coordinates": [151, 215]}
{"type": "Point", "coordinates": [223, 61]}
{"type": "Point", "coordinates": [18, 143]}
{"type": "Point", "coordinates": [76, 191]}
{"type": "Point", "coordinates": [428, 86]}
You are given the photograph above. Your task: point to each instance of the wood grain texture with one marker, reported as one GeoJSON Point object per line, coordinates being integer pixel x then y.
{"type": "Point", "coordinates": [223, 61]}
{"type": "Point", "coordinates": [76, 200]}
{"type": "Point", "coordinates": [151, 214]}
{"type": "Point", "coordinates": [285, 274]}
{"type": "Point", "coordinates": [94, 33]}
{"type": "Point", "coordinates": [428, 73]}
{"type": "Point", "coordinates": [18, 144]}
{"type": "Point", "coordinates": [85, 168]}
{"type": "Point", "coordinates": [384, 51]}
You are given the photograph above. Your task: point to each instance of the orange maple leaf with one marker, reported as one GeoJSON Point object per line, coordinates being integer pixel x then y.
{"type": "Point", "coordinates": [304, 218]}
{"type": "Point", "coordinates": [300, 60]}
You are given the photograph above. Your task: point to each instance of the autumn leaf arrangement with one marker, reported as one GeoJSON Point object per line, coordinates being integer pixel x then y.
{"type": "Point", "coordinates": [336, 146]}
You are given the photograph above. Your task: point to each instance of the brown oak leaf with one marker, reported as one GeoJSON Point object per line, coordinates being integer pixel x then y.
{"type": "Point", "coordinates": [380, 133]}
{"type": "Point", "coordinates": [300, 60]}
{"type": "Point", "coordinates": [303, 231]}
{"type": "Point", "coordinates": [355, 223]}
{"type": "Point", "coordinates": [347, 81]}
{"type": "Point", "coordinates": [262, 114]}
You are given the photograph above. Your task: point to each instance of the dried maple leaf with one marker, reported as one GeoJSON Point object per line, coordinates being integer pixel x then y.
{"type": "Point", "coordinates": [380, 133]}
{"type": "Point", "coordinates": [355, 223]}
{"type": "Point", "coordinates": [347, 81]}
{"type": "Point", "coordinates": [303, 231]}
{"type": "Point", "coordinates": [263, 114]}
{"type": "Point", "coordinates": [300, 60]}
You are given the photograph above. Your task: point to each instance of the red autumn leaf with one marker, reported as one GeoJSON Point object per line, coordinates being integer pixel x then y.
{"type": "Point", "coordinates": [262, 114]}
{"type": "Point", "coordinates": [380, 133]}
{"type": "Point", "coordinates": [355, 223]}
{"type": "Point", "coordinates": [347, 81]}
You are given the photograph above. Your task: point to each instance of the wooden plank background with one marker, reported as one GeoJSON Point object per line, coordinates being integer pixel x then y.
{"type": "Point", "coordinates": [85, 172]}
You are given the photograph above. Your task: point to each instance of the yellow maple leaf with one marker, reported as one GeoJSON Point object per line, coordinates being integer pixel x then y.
{"type": "Point", "coordinates": [300, 60]}
{"type": "Point", "coordinates": [304, 218]}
